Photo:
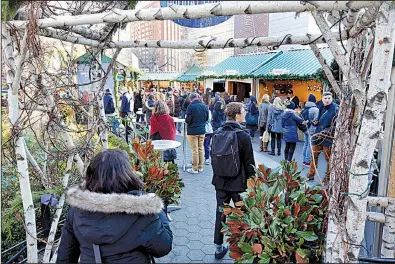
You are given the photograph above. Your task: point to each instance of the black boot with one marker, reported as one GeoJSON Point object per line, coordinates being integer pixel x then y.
{"type": "Point", "coordinates": [279, 152]}
{"type": "Point", "coordinates": [272, 153]}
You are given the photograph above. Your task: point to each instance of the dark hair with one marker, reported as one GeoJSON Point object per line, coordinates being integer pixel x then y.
{"type": "Point", "coordinates": [110, 172]}
{"type": "Point", "coordinates": [232, 109]}
{"type": "Point", "coordinates": [290, 92]}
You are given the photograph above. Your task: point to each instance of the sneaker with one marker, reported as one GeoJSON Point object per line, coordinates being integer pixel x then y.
{"type": "Point", "coordinates": [192, 171]}
{"type": "Point", "coordinates": [207, 162]}
{"type": "Point", "coordinates": [200, 170]}
{"type": "Point", "coordinates": [222, 253]}
{"type": "Point", "coordinates": [306, 164]}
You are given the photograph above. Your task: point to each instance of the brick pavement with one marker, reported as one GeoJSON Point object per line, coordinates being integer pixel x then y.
{"type": "Point", "coordinates": [193, 225]}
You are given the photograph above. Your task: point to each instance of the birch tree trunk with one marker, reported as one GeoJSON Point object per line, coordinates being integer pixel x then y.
{"type": "Point", "coordinates": [55, 221]}
{"type": "Point", "coordinates": [13, 77]}
{"type": "Point", "coordinates": [388, 241]}
{"type": "Point", "coordinates": [370, 128]}
{"type": "Point", "coordinates": [342, 149]}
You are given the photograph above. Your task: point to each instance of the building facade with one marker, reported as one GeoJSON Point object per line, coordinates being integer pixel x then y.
{"type": "Point", "coordinates": [154, 60]}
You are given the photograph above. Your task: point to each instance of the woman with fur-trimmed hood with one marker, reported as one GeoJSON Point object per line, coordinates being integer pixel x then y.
{"type": "Point", "coordinates": [111, 219]}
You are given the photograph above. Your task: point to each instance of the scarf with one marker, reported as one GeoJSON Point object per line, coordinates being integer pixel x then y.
{"type": "Point", "coordinates": [164, 124]}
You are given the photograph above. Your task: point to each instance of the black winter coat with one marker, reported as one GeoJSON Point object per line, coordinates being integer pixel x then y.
{"type": "Point", "coordinates": [238, 184]}
{"type": "Point", "coordinates": [138, 101]}
{"type": "Point", "coordinates": [129, 227]}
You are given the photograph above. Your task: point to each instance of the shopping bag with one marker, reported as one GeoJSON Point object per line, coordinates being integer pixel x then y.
{"type": "Point", "coordinates": [266, 137]}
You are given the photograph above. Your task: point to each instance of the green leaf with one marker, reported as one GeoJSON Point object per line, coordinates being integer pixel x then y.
{"type": "Point", "coordinates": [244, 247]}
{"type": "Point", "coordinates": [302, 252]}
{"type": "Point", "coordinates": [264, 258]}
{"type": "Point", "coordinates": [307, 235]}
{"type": "Point", "coordinates": [288, 220]}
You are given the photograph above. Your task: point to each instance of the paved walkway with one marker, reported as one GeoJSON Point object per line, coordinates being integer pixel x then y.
{"type": "Point", "coordinates": [193, 225]}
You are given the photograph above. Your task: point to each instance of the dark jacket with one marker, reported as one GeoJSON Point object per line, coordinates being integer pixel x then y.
{"type": "Point", "coordinates": [148, 108]}
{"type": "Point", "coordinates": [238, 184]}
{"type": "Point", "coordinates": [126, 103]}
{"type": "Point", "coordinates": [109, 107]}
{"type": "Point", "coordinates": [326, 126]}
{"type": "Point", "coordinates": [128, 227]}
{"type": "Point", "coordinates": [176, 110]}
{"type": "Point", "coordinates": [290, 123]}
{"type": "Point", "coordinates": [219, 116]}
{"type": "Point", "coordinates": [138, 101]}
{"type": "Point", "coordinates": [197, 116]}
{"type": "Point", "coordinates": [181, 100]}
{"type": "Point", "coordinates": [295, 100]}
{"type": "Point", "coordinates": [185, 104]}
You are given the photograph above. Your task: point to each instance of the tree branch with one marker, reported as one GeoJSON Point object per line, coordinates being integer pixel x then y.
{"type": "Point", "coordinates": [327, 70]}
{"type": "Point", "coordinates": [353, 78]}
{"type": "Point", "coordinates": [197, 11]}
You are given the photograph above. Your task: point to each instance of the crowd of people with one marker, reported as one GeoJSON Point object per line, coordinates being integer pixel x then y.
{"type": "Point", "coordinates": [112, 220]}
{"type": "Point", "coordinates": [277, 119]}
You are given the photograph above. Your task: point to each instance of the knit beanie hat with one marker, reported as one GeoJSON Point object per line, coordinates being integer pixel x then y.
{"type": "Point", "coordinates": [169, 89]}
{"type": "Point", "coordinates": [312, 98]}
{"type": "Point", "coordinates": [193, 96]}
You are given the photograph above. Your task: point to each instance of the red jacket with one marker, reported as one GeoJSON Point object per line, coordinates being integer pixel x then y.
{"type": "Point", "coordinates": [164, 124]}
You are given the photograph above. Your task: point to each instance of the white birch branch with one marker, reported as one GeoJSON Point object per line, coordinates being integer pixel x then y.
{"type": "Point", "coordinates": [22, 166]}
{"type": "Point", "coordinates": [66, 36]}
{"type": "Point", "coordinates": [197, 11]}
{"type": "Point", "coordinates": [43, 179]}
{"type": "Point", "coordinates": [18, 66]}
{"type": "Point", "coordinates": [375, 217]}
{"type": "Point", "coordinates": [365, 20]}
{"type": "Point", "coordinates": [98, 90]}
{"type": "Point", "coordinates": [55, 254]}
{"type": "Point", "coordinates": [191, 44]}
{"type": "Point", "coordinates": [353, 78]}
{"type": "Point", "coordinates": [388, 241]}
{"type": "Point", "coordinates": [83, 31]}
{"type": "Point", "coordinates": [377, 97]}
{"type": "Point", "coordinates": [352, 16]}
{"type": "Point", "coordinates": [368, 60]}
{"type": "Point", "coordinates": [327, 70]}
{"type": "Point", "coordinates": [55, 221]}
{"type": "Point", "coordinates": [377, 201]}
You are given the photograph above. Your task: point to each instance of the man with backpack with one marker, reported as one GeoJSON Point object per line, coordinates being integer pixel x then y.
{"type": "Point", "coordinates": [310, 114]}
{"type": "Point", "coordinates": [231, 159]}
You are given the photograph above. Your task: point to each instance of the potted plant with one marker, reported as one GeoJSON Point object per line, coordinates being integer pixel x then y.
{"type": "Point", "coordinates": [279, 219]}
{"type": "Point", "coordinates": [159, 177]}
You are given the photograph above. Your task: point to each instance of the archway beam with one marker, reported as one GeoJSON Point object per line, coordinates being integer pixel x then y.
{"type": "Point", "coordinates": [197, 11]}
{"type": "Point", "coordinates": [202, 44]}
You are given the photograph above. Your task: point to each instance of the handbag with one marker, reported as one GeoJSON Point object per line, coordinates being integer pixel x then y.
{"type": "Point", "coordinates": [302, 127]}
{"type": "Point", "coordinates": [251, 119]}
{"type": "Point", "coordinates": [270, 128]}
{"type": "Point", "coordinates": [266, 137]}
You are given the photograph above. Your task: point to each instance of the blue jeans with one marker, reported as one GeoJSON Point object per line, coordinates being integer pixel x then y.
{"type": "Point", "coordinates": [139, 117]}
{"type": "Point", "coordinates": [207, 141]}
{"type": "Point", "coordinates": [306, 148]}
